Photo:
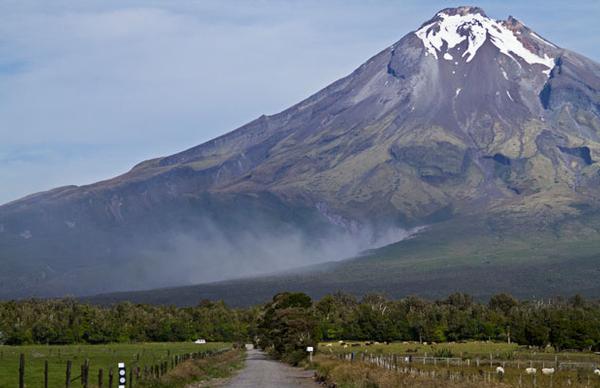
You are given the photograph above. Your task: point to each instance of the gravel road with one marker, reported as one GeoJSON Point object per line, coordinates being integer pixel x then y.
{"type": "Point", "coordinates": [261, 371]}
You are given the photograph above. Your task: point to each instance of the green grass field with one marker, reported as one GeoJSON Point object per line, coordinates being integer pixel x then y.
{"type": "Point", "coordinates": [99, 356]}
{"type": "Point", "coordinates": [470, 349]}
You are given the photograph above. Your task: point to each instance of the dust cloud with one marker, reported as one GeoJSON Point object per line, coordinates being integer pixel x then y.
{"type": "Point", "coordinates": [211, 253]}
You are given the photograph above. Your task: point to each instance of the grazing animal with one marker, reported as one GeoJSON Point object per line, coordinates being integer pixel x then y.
{"type": "Point", "coordinates": [547, 371]}
{"type": "Point", "coordinates": [500, 370]}
{"type": "Point", "coordinates": [597, 372]}
{"type": "Point", "coordinates": [530, 371]}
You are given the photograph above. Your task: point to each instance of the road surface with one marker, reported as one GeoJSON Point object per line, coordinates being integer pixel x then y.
{"type": "Point", "coordinates": [261, 371]}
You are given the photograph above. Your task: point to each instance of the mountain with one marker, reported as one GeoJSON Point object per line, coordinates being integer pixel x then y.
{"type": "Point", "coordinates": [478, 135]}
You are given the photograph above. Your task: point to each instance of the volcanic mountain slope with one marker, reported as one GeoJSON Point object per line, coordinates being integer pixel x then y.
{"type": "Point", "coordinates": [466, 118]}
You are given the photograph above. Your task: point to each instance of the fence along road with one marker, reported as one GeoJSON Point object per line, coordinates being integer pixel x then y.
{"type": "Point", "coordinates": [389, 361]}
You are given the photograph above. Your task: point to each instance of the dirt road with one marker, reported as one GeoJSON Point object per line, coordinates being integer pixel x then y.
{"type": "Point", "coordinates": [261, 371]}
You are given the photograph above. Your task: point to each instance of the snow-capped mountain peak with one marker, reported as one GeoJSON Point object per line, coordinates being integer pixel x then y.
{"type": "Point", "coordinates": [460, 32]}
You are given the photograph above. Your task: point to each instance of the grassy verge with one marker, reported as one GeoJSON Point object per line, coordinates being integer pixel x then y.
{"type": "Point", "coordinates": [99, 356]}
{"type": "Point", "coordinates": [200, 372]}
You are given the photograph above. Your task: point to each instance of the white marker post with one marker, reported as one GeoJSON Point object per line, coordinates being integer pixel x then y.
{"type": "Point", "coordinates": [310, 351]}
{"type": "Point", "coordinates": [122, 375]}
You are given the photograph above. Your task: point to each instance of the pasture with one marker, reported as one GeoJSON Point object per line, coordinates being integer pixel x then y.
{"type": "Point", "coordinates": [473, 363]}
{"type": "Point", "coordinates": [99, 356]}
{"type": "Point", "coordinates": [382, 371]}
{"type": "Point", "coordinates": [500, 351]}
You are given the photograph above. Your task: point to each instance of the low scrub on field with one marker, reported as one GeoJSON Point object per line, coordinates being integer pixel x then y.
{"type": "Point", "coordinates": [199, 371]}
{"type": "Point", "coordinates": [343, 374]}
{"type": "Point", "coordinates": [380, 372]}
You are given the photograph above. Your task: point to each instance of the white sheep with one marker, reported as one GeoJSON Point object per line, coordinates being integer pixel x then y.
{"type": "Point", "coordinates": [597, 372]}
{"type": "Point", "coordinates": [500, 370]}
{"type": "Point", "coordinates": [547, 371]}
{"type": "Point", "coordinates": [530, 371]}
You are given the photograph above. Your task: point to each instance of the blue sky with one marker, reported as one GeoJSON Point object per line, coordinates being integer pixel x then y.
{"type": "Point", "coordinates": [90, 88]}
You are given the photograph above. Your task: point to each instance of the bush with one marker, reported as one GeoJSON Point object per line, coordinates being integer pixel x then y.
{"type": "Point", "coordinates": [444, 352]}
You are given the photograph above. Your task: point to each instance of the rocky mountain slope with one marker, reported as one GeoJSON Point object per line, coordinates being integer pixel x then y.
{"type": "Point", "coordinates": [466, 118]}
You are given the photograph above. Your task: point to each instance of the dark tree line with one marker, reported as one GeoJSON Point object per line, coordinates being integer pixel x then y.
{"type": "Point", "coordinates": [69, 322]}
{"type": "Point", "coordinates": [292, 321]}
{"type": "Point", "coordinates": [564, 324]}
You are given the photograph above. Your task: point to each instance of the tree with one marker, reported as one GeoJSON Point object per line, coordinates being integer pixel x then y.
{"type": "Point", "coordinates": [287, 326]}
{"type": "Point", "coordinates": [503, 303]}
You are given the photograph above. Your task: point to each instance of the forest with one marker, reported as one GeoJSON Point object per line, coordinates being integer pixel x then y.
{"type": "Point", "coordinates": [292, 321]}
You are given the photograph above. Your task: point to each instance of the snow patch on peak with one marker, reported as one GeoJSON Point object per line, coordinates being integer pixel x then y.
{"type": "Point", "coordinates": [448, 57]}
{"type": "Point", "coordinates": [449, 30]}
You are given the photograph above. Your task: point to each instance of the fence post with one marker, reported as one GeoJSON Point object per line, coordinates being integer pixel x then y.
{"type": "Point", "coordinates": [100, 378]}
{"type": "Point", "coordinates": [46, 374]}
{"type": "Point", "coordinates": [68, 375]}
{"type": "Point", "coordinates": [86, 372]}
{"type": "Point", "coordinates": [22, 371]}
{"type": "Point", "coordinates": [110, 378]}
